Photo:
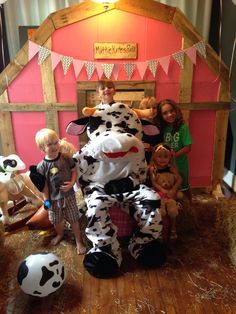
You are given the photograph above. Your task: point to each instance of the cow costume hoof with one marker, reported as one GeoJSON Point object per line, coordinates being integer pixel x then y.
{"type": "Point", "coordinates": [153, 254]}
{"type": "Point", "coordinates": [101, 265]}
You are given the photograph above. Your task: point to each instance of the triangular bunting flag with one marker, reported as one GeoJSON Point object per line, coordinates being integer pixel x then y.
{"type": "Point", "coordinates": [43, 54]}
{"type": "Point", "coordinates": [78, 64]}
{"type": "Point", "coordinates": [66, 62]}
{"type": "Point", "coordinates": [165, 62]}
{"type": "Point", "coordinates": [56, 58]}
{"type": "Point", "coordinates": [179, 58]}
{"type": "Point", "coordinates": [107, 69]}
{"type": "Point", "coordinates": [129, 69]}
{"type": "Point", "coordinates": [142, 67]}
{"type": "Point", "coordinates": [116, 70]}
{"type": "Point", "coordinates": [152, 64]}
{"type": "Point", "coordinates": [33, 49]}
{"type": "Point", "coordinates": [191, 53]}
{"type": "Point", "coordinates": [201, 48]}
{"type": "Point", "coordinates": [99, 69]}
{"type": "Point", "coordinates": [90, 67]}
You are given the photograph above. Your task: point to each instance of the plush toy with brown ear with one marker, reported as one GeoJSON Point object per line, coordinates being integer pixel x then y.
{"type": "Point", "coordinates": [168, 206]}
{"type": "Point", "coordinates": [2, 238]}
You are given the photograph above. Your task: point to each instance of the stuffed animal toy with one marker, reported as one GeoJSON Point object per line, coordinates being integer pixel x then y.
{"type": "Point", "coordinates": [112, 171]}
{"type": "Point", "coordinates": [14, 187]}
{"type": "Point", "coordinates": [168, 206]}
{"type": "Point", "coordinates": [2, 238]}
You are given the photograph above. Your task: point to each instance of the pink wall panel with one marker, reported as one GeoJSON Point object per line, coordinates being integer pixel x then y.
{"type": "Point", "coordinates": [64, 118]}
{"type": "Point", "coordinates": [155, 40]}
{"type": "Point", "coordinates": [150, 35]}
{"type": "Point", "coordinates": [168, 84]}
{"type": "Point", "coordinates": [205, 83]}
{"type": "Point", "coordinates": [25, 126]}
{"type": "Point", "coordinates": [27, 87]}
{"type": "Point", "coordinates": [202, 128]}
{"type": "Point", "coordinates": [78, 39]}
{"type": "Point", "coordinates": [65, 85]}
{"type": "Point", "coordinates": [161, 39]}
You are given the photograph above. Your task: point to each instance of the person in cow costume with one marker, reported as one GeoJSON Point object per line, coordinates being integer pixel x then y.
{"type": "Point", "coordinates": [112, 171]}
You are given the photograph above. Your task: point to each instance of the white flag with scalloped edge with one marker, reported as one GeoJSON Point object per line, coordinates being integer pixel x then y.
{"type": "Point", "coordinates": [107, 69]}
{"type": "Point", "coordinates": [90, 67]}
{"type": "Point", "coordinates": [201, 48]}
{"type": "Point", "coordinates": [179, 58]}
{"type": "Point", "coordinates": [66, 62]}
{"type": "Point", "coordinates": [129, 69]}
{"type": "Point", "coordinates": [152, 64]}
{"type": "Point", "coordinates": [43, 54]}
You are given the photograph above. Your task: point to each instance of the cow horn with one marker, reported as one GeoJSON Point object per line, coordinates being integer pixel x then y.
{"type": "Point", "coordinates": [144, 113]}
{"type": "Point", "coordinates": [87, 111]}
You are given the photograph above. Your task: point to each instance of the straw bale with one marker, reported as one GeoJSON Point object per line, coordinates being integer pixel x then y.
{"type": "Point", "coordinates": [226, 227]}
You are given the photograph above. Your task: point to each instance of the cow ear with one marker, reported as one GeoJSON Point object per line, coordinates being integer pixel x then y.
{"type": "Point", "coordinates": [149, 128]}
{"type": "Point", "coordinates": [77, 127]}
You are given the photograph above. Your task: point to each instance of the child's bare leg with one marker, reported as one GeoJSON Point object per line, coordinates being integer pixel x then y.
{"type": "Point", "coordinates": [81, 249]}
{"type": "Point", "coordinates": [60, 233]}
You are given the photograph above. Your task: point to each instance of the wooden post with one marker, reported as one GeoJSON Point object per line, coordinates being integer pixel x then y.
{"type": "Point", "coordinates": [7, 143]}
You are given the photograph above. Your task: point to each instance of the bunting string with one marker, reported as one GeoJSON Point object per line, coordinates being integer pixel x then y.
{"type": "Point", "coordinates": [109, 69]}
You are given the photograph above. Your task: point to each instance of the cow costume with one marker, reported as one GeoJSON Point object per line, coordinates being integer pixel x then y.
{"type": "Point", "coordinates": [112, 171]}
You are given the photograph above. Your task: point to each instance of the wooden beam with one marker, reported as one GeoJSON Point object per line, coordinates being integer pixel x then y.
{"type": "Point", "coordinates": [7, 143]}
{"type": "Point", "coordinates": [48, 83]}
{"type": "Point", "coordinates": [14, 68]}
{"type": "Point", "coordinates": [38, 107]}
{"type": "Point", "coordinates": [186, 80]}
{"type": "Point", "coordinates": [212, 60]}
{"type": "Point", "coordinates": [51, 117]}
{"type": "Point", "coordinates": [44, 32]}
{"type": "Point", "coordinates": [41, 107]}
{"type": "Point", "coordinates": [205, 106]}
{"type": "Point", "coordinates": [6, 134]}
{"type": "Point", "coordinates": [148, 8]}
{"type": "Point", "coordinates": [221, 126]}
{"type": "Point", "coordinates": [77, 13]}
{"type": "Point", "coordinates": [120, 85]}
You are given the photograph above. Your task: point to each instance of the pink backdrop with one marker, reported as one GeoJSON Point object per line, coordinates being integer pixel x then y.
{"type": "Point", "coordinates": [155, 39]}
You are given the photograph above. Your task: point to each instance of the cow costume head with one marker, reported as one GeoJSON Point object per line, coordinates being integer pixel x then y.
{"type": "Point", "coordinates": [115, 147]}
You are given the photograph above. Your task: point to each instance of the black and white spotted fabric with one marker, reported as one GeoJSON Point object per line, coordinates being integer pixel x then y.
{"type": "Point", "coordinates": [112, 171]}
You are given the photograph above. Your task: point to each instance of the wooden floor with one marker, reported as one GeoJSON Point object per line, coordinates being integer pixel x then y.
{"type": "Point", "coordinates": [197, 278]}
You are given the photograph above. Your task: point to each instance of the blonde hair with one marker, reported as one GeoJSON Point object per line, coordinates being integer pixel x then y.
{"type": "Point", "coordinates": [45, 135]}
{"type": "Point", "coordinates": [148, 102]}
{"type": "Point", "coordinates": [166, 147]}
{"type": "Point", "coordinates": [66, 148]}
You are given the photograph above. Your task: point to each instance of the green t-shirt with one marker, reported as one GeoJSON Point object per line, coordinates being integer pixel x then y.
{"type": "Point", "coordinates": [177, 141]}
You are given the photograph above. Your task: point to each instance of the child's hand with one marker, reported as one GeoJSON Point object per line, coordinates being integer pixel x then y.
{"type": "Point", "coordinates": [66, 186]}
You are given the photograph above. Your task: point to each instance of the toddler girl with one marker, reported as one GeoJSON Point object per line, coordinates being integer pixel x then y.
{"type": "Point", "coordinates": [162, 161]}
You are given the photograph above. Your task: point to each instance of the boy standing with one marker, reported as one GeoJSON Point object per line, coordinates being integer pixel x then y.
{"type": "Point", "coordinates": [60, 175]}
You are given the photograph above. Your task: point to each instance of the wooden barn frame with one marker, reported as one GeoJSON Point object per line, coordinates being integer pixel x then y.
{"type": "Point", "coordinates": [88, 9]}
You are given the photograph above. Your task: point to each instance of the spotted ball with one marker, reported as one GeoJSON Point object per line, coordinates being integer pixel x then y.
{"type": "Point", "coordinates": [41, 274]}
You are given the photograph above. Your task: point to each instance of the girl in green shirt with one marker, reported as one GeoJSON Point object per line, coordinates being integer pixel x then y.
{"type": "Point", "coordinates": [170, 120]}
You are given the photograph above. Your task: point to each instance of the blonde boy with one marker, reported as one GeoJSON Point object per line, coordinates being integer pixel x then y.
{"type": "Point", "coordinates": [60, 175]}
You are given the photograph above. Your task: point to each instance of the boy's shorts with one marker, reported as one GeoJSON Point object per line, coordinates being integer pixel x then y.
{"type": "Point", "coordinates": [65, 208]}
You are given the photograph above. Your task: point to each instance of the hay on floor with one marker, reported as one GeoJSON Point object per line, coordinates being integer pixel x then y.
{"type": "Point", "coordinates": [226, 226]}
